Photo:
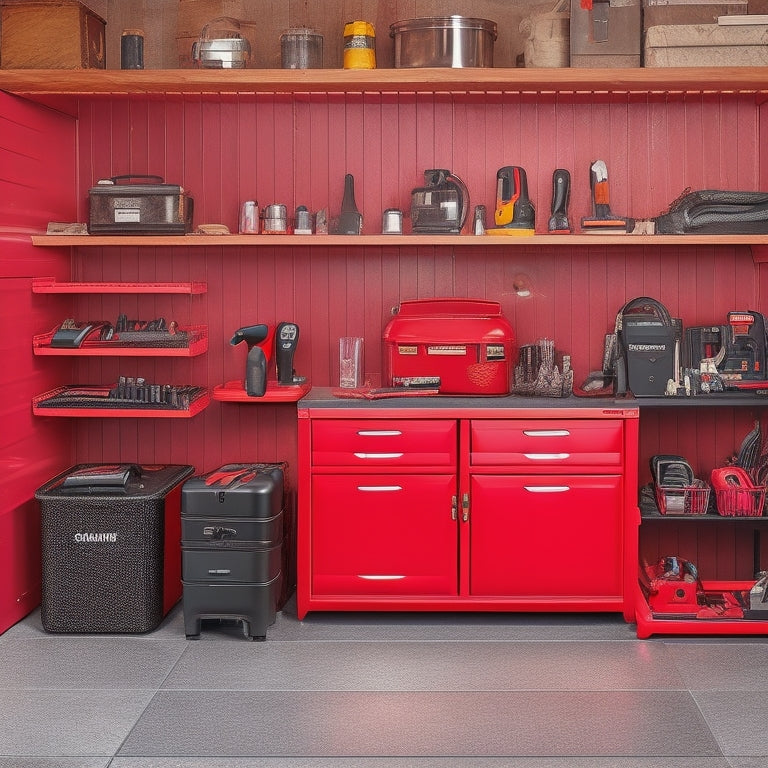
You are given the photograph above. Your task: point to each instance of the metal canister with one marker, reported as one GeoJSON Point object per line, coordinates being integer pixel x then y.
{"type": "Point", "coordinates": [302, 221]}
{"type": "Point", "coordinates": [478, 227]}
{"type": "Point", "coordinates": [132, 49]}
{"type": "Point", "coordinates": [359, 45]}
{"type": "Point", "coordinates": [249, 218]}
{"type": "Point", "coordinates": [301, 48]}
{"type": "Point", "coordinates": [275, 219]}
{"type": "Point", "coordinates": [392, 222]}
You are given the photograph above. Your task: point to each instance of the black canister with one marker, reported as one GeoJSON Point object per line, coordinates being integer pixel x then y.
{"type": "Point", "coordinates": [132, 49]}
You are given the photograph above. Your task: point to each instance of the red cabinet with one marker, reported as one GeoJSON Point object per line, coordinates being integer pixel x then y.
{"type": "Point", "coordinates": [545, 537]}
{"type": "Point", "coordinates": [465, 505]}
{"type": "Point", "coordinates": [384, 535]}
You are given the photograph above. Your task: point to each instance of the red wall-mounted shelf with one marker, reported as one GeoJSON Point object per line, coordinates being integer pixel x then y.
{"type": "Point", "coordinates": [198, 345]}
{"type": "Point", "coordinates": [197, 405]}
{"type": "Point", "coordinates": [51, 285]}
{"type": "Point", "coordinates": [234, 392]}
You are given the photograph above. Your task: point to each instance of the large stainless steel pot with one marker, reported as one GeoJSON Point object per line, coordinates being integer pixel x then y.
{"type": "Point", "coordinates": [444, 41]}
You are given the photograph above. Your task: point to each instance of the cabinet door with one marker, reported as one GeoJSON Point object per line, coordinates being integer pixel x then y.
{"type": "Point", "coordinates": [384, 535]}
{"type": "Point", "coordinates": [555, 536]}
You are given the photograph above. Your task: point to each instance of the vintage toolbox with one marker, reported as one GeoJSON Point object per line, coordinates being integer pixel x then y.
{"type": "Point", "coordinates": [154, 208]}
{"type": "Point", "coordinates": [235, 547]}
{"type": "Point", "coordinates": [110, 547]}
{"type": "Point", "coordinates": [51, 34]}
{"type": "Point", "coordinates": [463, 346]}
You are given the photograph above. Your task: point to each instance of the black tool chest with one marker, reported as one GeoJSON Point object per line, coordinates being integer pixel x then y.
{"type": "Point", "coordinates": [233, 547]}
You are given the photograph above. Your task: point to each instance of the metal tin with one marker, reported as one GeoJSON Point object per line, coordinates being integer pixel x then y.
{"type": "Point", "coordinates": [392, 222]}
{"type": "Point", "coordinates": [359, 45]}
{"type": "Point", "coordinates": [301, 48]}
{"type": "Point", "coordinates": [444, 41]}
{"type": "Point", "coordinates": [478, 227]}
{"type": "Point", "coordinates": [132, 49]}
{"type": "Point", "coordinates": [302, 221]}
{"type": "Point", "coordinates": [275, 219]}
{"type": "Point", "coordinates": [249, 218]}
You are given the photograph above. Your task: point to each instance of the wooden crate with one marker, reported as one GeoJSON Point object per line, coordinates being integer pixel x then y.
{"type": "Point", "coordinates": [57, 34]}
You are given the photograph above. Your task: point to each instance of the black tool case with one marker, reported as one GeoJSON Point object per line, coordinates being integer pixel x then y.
{"type": "Point", "coordinates": [234, 555]}
{"type": "Point", "coordinates": [153, 208]}
{"type": "Point", "coordinates": [110, 547]}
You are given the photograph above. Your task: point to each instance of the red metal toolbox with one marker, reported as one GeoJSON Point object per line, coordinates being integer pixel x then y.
{"type": "Point", "coordinates": [465, 343]}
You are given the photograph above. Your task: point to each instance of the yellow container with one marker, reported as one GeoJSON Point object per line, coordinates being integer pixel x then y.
{"type": "Point", "coordinates": [359, 45]}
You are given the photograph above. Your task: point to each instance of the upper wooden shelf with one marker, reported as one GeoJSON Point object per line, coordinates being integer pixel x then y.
{"type": "Point", "coordinates": [356, 241]}
{"type": "Point", "coordinates": [453, 80]}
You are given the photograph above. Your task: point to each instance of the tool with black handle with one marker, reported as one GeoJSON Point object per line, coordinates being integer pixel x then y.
{"type": "Point", "coordinates": [259, 339]}
{"type": "Point", "coordinates": [350, 218]}
{"type": "Point", "coordinates": [286, 341]}
{"type": "Point", "coordinates": [561, 193]}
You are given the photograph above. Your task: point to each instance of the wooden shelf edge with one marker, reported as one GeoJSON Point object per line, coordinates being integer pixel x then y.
{"type": "Point", "coordinates": [51, 285]}
{"type": "Point", "coordinates": [434, 80]}
{"type": "Point", "coordinates": [759, 242]}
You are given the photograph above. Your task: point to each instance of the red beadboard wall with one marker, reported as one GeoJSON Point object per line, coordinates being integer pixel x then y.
{"type": "Point", "coordinates": [295, 149]}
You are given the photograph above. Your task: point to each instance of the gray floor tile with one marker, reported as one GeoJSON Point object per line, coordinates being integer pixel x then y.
{"type": "Point", "coordinates": [288, 724]}
{"type": "Point", "coordinates": [423, 762]}
{"type": "Point", "coordinates": [67, 723]}
{"type": "Point", "coordinates": [748, 762]}
{"type": "Point", "coordinates": [424, 666]}
{"type": "Point", "coordinates": [722, 667]}
{"type": "Point", "coordinates": [736, 721]}
{"type": "Point", "coordinates": [54, 762]}
{"type": "Point", "coordinates": [86, 662]}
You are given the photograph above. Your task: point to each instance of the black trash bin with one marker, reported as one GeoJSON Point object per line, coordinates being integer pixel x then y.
{"type": "Point", "coordinates": [110, 547]}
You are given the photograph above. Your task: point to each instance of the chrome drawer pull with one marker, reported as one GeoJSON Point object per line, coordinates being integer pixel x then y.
{"type": "Point", "coordinates": [379, 432]}
{"type": "Point", "coordinates": [546, 433]}
{"type": "Point", "coordinates": [378, 455]}
{"type": "Point", "coordinates": [547, 488]}
{"type": "Point", "coordinates": [546, 456]}
{"type": "Point", "coordinates": [381, 576]}
{"type": "Point", "coordinates": [379, 487]}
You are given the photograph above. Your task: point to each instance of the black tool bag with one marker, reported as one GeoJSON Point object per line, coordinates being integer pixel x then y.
{"type": "Point", "coordinates": [647, 354]}
{"type": "Point", "coordinates": [715, 212]}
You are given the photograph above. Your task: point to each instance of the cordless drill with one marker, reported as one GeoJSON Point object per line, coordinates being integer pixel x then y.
{"type": "Point", "coordinates": [259, 341]}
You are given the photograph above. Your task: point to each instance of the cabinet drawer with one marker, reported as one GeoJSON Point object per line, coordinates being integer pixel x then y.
{"type": "Point", "coordinates": [382, 442]}
{"type": "Point", "coordinates": [381, 535]}
{"type": "Point", "coordinates": [530, 443]}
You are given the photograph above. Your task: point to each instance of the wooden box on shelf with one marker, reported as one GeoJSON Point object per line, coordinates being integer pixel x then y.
{"type": "Point", "coordinates": [52, 34]}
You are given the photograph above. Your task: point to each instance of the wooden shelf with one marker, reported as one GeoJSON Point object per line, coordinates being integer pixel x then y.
{"type": "Point", "coordinates": [673, 80]}
{"type": "Point", "coordinates": [355, 241]}
{"type": "Point", "coordinates": [50, 285]}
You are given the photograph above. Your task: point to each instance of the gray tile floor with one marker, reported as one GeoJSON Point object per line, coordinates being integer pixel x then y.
{"type": "Point", "coordinates": [383, 691]}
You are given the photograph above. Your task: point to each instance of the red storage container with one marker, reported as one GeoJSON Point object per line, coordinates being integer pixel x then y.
{"type": "Point", "coordinates": [465, 343]}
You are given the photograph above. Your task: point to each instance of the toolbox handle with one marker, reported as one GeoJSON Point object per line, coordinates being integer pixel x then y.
{"type": "Point", "coordinates": [145, 176]}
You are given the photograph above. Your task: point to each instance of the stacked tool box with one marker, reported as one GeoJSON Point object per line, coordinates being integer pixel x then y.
{"type": "Point", "coordinates": [233, 529]}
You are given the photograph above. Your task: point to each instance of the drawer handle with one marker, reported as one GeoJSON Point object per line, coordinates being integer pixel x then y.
{"type": "Point", "coordinates": [546, 456]}
{"type": "Point", "coordinates": [219, 571]}
{"type": "Point", "coordinates": [379, 432]}
{"type": "Point", "coordinates": [546, 433]}
{"type": "Point", "coordinates": [379, 487]}
{"type": "Point", "coordinates": [378, 455]}
{"type": "Point", "coordinates": [381, 576]}
{"type": "Point", "coordinates": [547, 488]}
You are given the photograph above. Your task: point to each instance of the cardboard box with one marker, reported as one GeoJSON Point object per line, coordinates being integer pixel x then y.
{"type": "Point", "coordinates": [707, 45]}
{"type": "Point", "coordinates": [57, 34]}
{"type": "Point", "coordinates": [656, 14]}
{"type": "Point", "coordinates": [610, 35]}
